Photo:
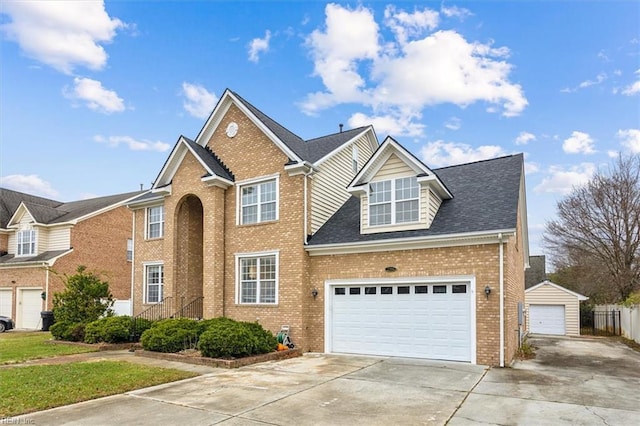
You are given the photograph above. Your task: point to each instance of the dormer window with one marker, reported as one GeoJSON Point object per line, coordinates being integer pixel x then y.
{"type": "Point", "coordinates": [26, 242]}
{"type": "Point", "coordinates": [394, 201]}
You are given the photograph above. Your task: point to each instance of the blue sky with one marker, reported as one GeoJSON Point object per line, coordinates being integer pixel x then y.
{"type": "Point", "coordinates": [93, 95]}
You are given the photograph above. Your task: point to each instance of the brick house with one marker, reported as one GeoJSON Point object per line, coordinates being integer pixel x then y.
{"type": "Point", "coordinates": [357, 246]}
{"type": "Point", "coordinates": [41, 240]}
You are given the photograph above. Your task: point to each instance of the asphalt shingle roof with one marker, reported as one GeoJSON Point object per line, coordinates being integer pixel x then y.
{"type": "Point", "coordinates": [50, 211]}
{"type": "Point", "coordinates": [311, 150]}
{"type": "Point", "coordinates": [210, 159]}
{"type": "Point", "coordinates": [485, 198]}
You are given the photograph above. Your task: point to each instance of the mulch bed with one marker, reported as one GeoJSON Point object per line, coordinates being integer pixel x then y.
{"type": "Point", "coordinates": [193, 357]}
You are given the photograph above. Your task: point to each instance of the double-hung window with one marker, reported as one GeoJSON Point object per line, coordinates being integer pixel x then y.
{"type": "Point", "coordinates": [394, 201]}
{"type": "Point", "coordinates": [259, 202]}
{"type": "Point", "coordinates": [26, 242]}
{"type": "Point", "coordinates": [258, 279]}
{"type": "Point", "coordinates": [154, 283]}
{"type": "Point", "coordinates": [155, 222]}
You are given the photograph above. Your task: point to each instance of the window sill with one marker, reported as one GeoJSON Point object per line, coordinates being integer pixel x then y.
{"type": "Point", "coordinates": [257, 305]}
{"type": "Point", "coordinates": [248, 225]}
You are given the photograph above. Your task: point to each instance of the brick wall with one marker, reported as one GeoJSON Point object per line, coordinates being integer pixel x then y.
{"type": "Point", "coordinates": [481, 261]}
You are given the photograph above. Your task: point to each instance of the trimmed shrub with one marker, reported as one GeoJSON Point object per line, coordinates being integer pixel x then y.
{"type": "Point", "coordinates": [109, 330]}
{"type": "Point", "coordinates": [265, 340]}
{"type": "Point", "coordinates": [171, 335]}
{"type": "Point", "coordinates": [66, 330]}
{"type": "Point", "coordinates": [226, 338]}
{"type": "Point", "coordinates": [204, 325]}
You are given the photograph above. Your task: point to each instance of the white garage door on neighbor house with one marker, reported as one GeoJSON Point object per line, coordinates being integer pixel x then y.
{"type": "Point", "coordinates": [29, 308]}
{"type": "Point", "coordinates": [547, 319]}
{"type": "Point", "coordinates": [415, 319]}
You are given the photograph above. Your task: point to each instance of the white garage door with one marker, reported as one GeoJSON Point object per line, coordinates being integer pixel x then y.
{"type": "Point", "coordinates": [6, 304]}
{"type": "Point", "coordinates": [547, 319]}
{"type": "Point", "coordinates": [29, 307]}
{"type": "Point", "coordinates": [409, 320]}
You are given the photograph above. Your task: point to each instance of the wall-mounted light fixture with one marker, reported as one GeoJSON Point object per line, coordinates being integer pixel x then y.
{"type": "Point", "coordinates": [487, 291]}
{"type": "Point", "coordinates": [314, 293]}
{"type": "Point", "coordinates": [43, 295]}
{"type": "Point", "coordinates": [390, 269]}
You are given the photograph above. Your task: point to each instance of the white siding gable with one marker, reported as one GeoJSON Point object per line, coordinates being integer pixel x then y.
{"type": "Point", "coordinates": [329, 183]}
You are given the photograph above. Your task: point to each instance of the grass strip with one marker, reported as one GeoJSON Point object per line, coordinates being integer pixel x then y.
{"type": "Point", "coordinates": [39, 387]}
{"type": "Point", "coordinates": [23, 346]}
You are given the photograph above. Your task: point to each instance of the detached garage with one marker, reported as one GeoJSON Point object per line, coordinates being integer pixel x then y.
{"type": "Point", "coordinates": [553, 309]}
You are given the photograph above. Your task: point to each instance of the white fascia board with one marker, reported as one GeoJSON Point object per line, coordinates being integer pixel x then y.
{"type": "Point", "coordinates": [20, 211]}
{"type": "Point", "coordinates": [158, 199]}
{"type": "Point", "coordinates": [31, 264]}
{"type": "Point", "coordinates": [414, 243]}
{"type": "Point", "coordinates": [171, 165]}
{"type": "Point", "coordinates": [558, 287]}
{"type": "Point", "coordinates": [345, 145]}
{"type": "Point", "coordinates": [436, 184]}
{"type": "Point", "coordinates": [524, 224]}
{"type": "Point", "coordinates": [216, 180]}
{"type": "Point", "coordinates": [301, 168]}
{"type": "Point", "coordinates": [214, 119]}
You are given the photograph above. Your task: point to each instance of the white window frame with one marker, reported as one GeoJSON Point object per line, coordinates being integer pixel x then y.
{"type": "Point", "coordinates": [257, 255]}
{"type": "Point", "coordinates": [148, 223]}
{"type": "Point", "coordinates": [354, 159]}
{"type": "Point", "coordinates": [393, 201]}
{"type": "Point", "coordinates": [129, 250]}
{"type": "Point", "coordinates": [257, 182]}
{"type": "Point", "coordinates": [146, 267]}
{"type": "Point", "coordinates": [32, 244]}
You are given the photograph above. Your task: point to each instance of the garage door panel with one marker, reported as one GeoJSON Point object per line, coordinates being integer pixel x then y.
{"type": "Point", "coordinates": [547, 319]}
{"type": "Point", "coordinates": [420, 324]}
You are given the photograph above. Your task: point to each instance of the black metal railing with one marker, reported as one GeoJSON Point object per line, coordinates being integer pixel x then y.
{"type": "Point", "coordinates": [192, 309]}
{"type": "Point", "coordinates": [600, 323]}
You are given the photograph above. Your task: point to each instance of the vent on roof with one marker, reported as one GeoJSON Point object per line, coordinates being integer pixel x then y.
{"type": "Point", "coordinates": [340, 125]}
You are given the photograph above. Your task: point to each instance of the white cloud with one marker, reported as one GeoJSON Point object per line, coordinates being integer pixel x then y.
{"type": "Point", "coordinates": [455, 11]}
{"type": "Point", "coordinates": [388, 124]}
{"type": "Point", "coordinates": [633, 88]}
{"type": "Point", "coordinates": [29, 184]}
{"type": "Point", "coordinates": [561, 181]}
{"type": "Point", "coordinates": [454, 123]}
{"type": "Point", "coordinates": [440, 153]}
{"type": "Point", "coordinates": [612, 153]}
{"type": "Point", "coordinates": [578, 143]}
{"type": "Point", "coordinates": [95, 96]}
{"type": "Point", "coordinates": [259, 45]}
{"type": "Point", "coordinates": [133, 144]}
{"type": "Point", "coordinates": [357, 65]}
{"type": "Point", "coordinates": [62, 34]}
{"type": "Point", "coordinates": [198, 102]}
{"type": "Point", "coordinates": [524, 138]}
{"type": "Point", "coordinates": [630, 139]}
{"type": "Point", "coordinates": [599, 79]}
{"type": "Point", "coordinates": [405, 25]}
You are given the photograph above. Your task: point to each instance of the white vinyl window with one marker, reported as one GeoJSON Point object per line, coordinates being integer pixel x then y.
{"type": "Point", "coordinates": [26, 242]}
{"type": "Point", "coordinates": [129, 249]}
{"type": "Point", "coordinates": [257, 279]}
{"type": "Point", "coordinates": [394, 201]}
{"type": "Point", "coordinates": [354, 159]}
{"type": "Point", "coordinates": [259, 202]}
{"type": "Point", "coordinates": [154, 283]}
{"type": "Point", "coordinates": [155, 222]}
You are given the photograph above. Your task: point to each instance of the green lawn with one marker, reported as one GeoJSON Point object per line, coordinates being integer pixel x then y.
{"type": "Point", "coordinates": [18, 346]}
{"type": "Point", "coordinates": [39, 387]}
{"type": "Point", "coordinates": [25, 389]}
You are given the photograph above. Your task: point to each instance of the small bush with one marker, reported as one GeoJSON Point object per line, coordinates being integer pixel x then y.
{"type": "Point", "coordinates": [139, 326]}
{"type": "Point", "coordinates": [69, 331]}
{"type": "Point", "coordinates": [226, 338]}
{"type": "Point", "coordinates": [109, 330]}
{"type": "Point", "coordinates": [265, 340]}
{"type": "Point", "coordinates": [204, 325]}
{"type": "Point", "coordinates": [171, 335]}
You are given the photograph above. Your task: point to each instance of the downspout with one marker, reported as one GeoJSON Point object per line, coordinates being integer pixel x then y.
{"type": "Point", "coordinates": [501, 299]}
{"type": "Point", "coordinates": [133, 261]}
{"type": "Point", "coordinates": [305, 224]}
{"type": "Point", "coordinates": [46, 288]}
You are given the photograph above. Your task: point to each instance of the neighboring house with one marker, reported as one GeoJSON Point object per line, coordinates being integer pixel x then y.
{"type": "Point", "coordinates": [41, 240]}
{"type": "Point", "coordinates": [553, 309]}
{"type": "Point", "coordinates": [537, 271]}
{"type": "Point", "coordinates": [357, 246]}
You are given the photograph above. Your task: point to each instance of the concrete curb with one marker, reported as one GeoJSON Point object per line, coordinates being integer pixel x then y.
{"type": "Point", "coordinates": [222, 363]}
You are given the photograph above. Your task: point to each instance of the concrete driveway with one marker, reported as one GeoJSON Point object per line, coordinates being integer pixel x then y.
{"type": "Point", "coordinates": [571, 381]}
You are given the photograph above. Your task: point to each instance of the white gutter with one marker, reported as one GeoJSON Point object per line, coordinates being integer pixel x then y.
{"type": "Point", "coordinates": [46, 289]}
{"type": "Point", "coordinates": [304, 203]}
{"type": "Point", "coordinates": [501, 299]}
